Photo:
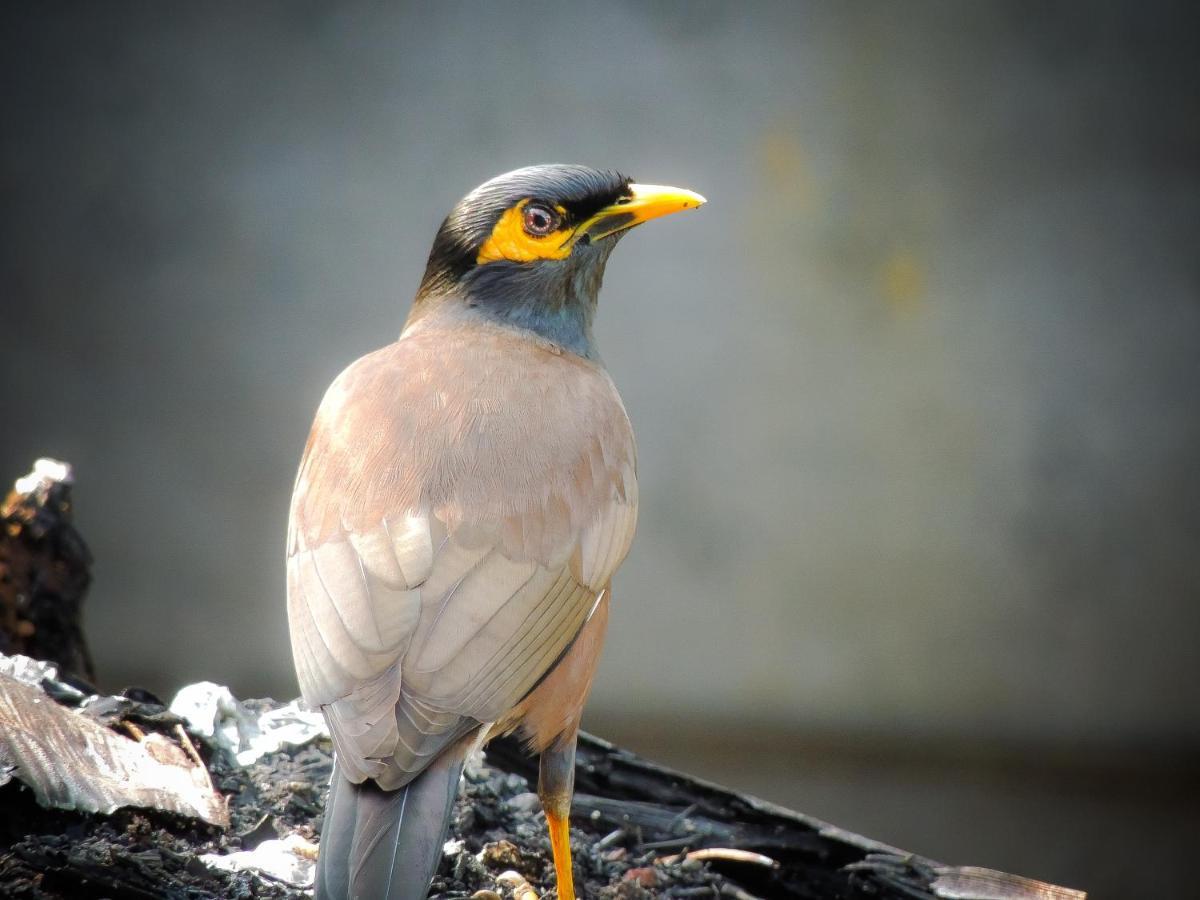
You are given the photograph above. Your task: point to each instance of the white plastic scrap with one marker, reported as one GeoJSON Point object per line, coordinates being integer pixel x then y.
{"type": "Point", "coordinates": [33, 672]}
{"type": "Point", "coordinates": [214, 712]}
{"type": "Point", "coordinates": [293, 724]}
{"type": "Point", "coordinates": [292, 859]}
{"type": "Point", "coordinates": [27, 670]}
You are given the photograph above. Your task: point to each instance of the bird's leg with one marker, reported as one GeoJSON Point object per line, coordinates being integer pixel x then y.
{"type": "Point", "coordinates": [556, 784]}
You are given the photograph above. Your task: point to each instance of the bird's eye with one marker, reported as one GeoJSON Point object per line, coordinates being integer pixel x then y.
{"type": "Point", "coordinates": [538, 220]}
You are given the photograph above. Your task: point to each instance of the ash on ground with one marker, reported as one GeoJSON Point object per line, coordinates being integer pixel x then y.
{"type": "Point", "coordinates": [498, 829]}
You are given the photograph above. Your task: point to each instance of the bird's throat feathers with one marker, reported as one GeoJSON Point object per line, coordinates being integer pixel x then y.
{"type": "Point", "coordinates": [553, 299]}
{"type": "Point", "coordinates": [521, 250]}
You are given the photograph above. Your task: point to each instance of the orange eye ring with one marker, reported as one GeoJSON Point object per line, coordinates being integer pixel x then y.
{"type": "Point", "coordinates": [527, 231]}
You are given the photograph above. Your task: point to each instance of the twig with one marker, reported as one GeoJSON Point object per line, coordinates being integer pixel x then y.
{"type": "Point", "coordinates": [609, 839]}
{"type": "Point", "coordinates": [189, 747]}
{"type": "Point", "coordinates": [683, 814]}
{"type": "Point", "coordinates": [724, 854]}
{"type": "Point", "coordinates": [670, 842]}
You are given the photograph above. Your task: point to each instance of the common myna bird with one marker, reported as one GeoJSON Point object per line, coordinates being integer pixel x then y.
{"type": "Point", "coordinates": [463, 501]}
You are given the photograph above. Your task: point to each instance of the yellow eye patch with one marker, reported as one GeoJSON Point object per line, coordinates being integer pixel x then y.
{"type": "Point", "coordinates": [509, 240]}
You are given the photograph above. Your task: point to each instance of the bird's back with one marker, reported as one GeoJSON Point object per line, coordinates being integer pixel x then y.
{"type": "Point", "coordinates": [465, 496]}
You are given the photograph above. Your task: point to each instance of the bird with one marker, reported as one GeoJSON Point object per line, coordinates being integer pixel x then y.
{"type": "Point", "coordinates": [463, 500]}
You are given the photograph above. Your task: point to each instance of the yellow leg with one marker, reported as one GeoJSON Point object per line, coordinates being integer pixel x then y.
{"type": "Point", "coordinates": [560, 843]}
{"type": "Point", "coordinates": [556, 784]}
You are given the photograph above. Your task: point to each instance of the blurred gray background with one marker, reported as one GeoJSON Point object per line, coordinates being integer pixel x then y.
{"type": "Point", "coordinates": [916, 393]}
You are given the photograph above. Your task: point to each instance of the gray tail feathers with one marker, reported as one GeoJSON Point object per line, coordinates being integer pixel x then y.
{"type": "Point", "coordinates": [385, 845]}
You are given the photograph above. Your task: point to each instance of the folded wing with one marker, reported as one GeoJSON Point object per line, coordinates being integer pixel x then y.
{"type": "Point", "coordinates": [457, 514]}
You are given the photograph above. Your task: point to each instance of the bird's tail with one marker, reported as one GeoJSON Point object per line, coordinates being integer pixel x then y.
{"type": "Point", "coordinates": [385, 845]}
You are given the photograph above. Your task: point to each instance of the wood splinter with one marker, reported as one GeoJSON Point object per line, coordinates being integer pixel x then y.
{"type": "Point", "coordinates": [724, 854]}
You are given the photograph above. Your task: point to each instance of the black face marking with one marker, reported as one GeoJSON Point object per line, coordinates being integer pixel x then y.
{"type": "Point", "coordinates": [609, 224]}
{"type": "Point", "coordinates": [579, 211]}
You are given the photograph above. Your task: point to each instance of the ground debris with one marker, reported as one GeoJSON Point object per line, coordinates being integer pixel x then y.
{"type": "Point", "coordinates": [71, 762]}
{"type": "Point", "coordinates": [638, 830]}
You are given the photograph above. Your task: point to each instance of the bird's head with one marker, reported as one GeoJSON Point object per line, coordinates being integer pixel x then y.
{"type": "Point", "coordinates": [528, 247]}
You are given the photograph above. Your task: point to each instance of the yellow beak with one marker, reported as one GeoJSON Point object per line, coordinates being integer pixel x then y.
{"type": "Point", "coordinates": [644, 202]}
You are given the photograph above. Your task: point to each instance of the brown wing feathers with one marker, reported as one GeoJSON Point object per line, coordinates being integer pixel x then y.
{"type": "Point", "coordinates": [464, 498]}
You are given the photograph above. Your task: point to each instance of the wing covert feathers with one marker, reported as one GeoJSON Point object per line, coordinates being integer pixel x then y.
{"type": "Point", "coordinates": [462, 501]}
